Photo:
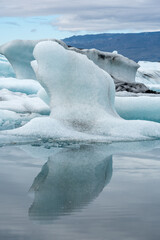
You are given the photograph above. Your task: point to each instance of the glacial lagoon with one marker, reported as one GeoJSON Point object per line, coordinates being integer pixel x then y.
{"type": "Point", "coordinates": [80, 172]}
{"type": "Point", "coordinates": [91, 191]}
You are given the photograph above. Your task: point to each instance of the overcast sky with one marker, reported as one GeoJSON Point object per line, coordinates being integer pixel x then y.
{"type": "Point", "coordinates": [59, 18]}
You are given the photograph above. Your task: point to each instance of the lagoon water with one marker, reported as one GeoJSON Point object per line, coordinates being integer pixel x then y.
{"type": "Point", "coordinates": [82, 192]}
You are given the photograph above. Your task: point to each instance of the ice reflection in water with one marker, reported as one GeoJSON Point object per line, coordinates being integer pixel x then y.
{"type": "Point", "coordinates": [69, 180]}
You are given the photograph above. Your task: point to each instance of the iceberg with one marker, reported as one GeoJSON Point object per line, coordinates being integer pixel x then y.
{"type": "Point", "coordinates": [120, 68]}
{"type": "Point", "coordinates": [6, 69]}
{"type": "Point", "coordinates": [22, 103]}
{"type": "Point", "coordinates": [27, 86]}
{"type": "Point", "coordinates": [10, 119]}
{"type": "Point", "coordinates": [16, 108]}
{"type": "Point", "coordinates": [81, 101]}
{"type": "Point", "coordinates": [123, 70]}
{"type": "Point", "coordinates": [19, 54]}
{"type": "Point", "coordinates": [148, 73]}
{"type": "Point", "coordinates": [138, 107]}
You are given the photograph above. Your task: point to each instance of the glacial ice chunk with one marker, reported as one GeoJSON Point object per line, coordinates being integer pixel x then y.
{"type": "Point", "coordinates": [27, 86]}
{"type": "Point", "coordinates": [120, 68]}
{"type": "Point", "coordinates": [6, 69]}
{"type": "Point", "coordinates": [140, 107]}
{"type": "Point", "coordinates": [43, 95]}
{"type": "Point", "coordinates": [81, 101]}
{"type": "Point", "coordinates": [10, 119]}
{"type": "Point", "coordinates": [20, 53]}
{"type": "Point", "coordinates": [62, 73]}
{"type": "Point", "coordinates": [148, 73]}
{"type": "Point", "coordinates": [22, 103]}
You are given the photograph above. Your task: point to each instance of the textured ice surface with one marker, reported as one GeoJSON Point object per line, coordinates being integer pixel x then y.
{"type": "Point", "coordinates": [73, 89]}
{"type": "Point", "coordinates": [20, 53]}
{"type": "Point", "coordinates": [27, 86]}
{"type": "Point", "coordinates": [154, 87]}
{"type": "Point", "coordinates": [121, 69]}
{"type": "Point", "coordinates": [22, 103]}
{"type": "Point", "coordinates": [141, 107]}
{"type": "Point", "coordinates": [148, 73]}
{"type": "Point", "coordinates": [10, 119]}
{"type": "Point", "coordinates": [16, 108]}
{"type": "Point", "coordinates": [6, 69]}
{"type": "Point", "coordinates": [81, 101]}
{"type": "Point", "coordinates": [43, 95]}
{"type": "Point", "coordinates": [118, 66]}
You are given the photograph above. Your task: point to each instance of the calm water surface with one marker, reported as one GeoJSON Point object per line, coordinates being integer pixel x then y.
{"type": "Point", "coordinates": [101, 192]}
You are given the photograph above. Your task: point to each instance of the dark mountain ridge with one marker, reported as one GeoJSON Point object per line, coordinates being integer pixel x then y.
{"type": "Point", "coordinates": [143, 46]}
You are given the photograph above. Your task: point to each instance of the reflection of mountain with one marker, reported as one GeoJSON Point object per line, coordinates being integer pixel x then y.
{"type": "Point", "coordinates": [69, 180]}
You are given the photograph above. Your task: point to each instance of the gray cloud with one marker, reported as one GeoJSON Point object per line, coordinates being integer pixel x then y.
{"type": "Point", "coordinates": [101, 15]}
{"type": "Point", "coordinates": [33, 30]}
{"type": "Point", "coordinates": [11, 23]}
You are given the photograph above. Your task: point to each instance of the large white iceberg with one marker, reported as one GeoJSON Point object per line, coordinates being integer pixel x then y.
{"type": "Point", "coordinates": [81, 100]}
{"type": "Point", "coordinates": [120, 68]}
{"type": "Point", "coordinates": [20, 53]}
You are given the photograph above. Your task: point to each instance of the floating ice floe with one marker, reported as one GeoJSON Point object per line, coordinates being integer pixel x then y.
{"type": "Point", "coordinates": [17, 108]}
{"type": "Point", "coordinates": [138, 107]}
{"type": "Point", "coordinates": [22, 103]}
{"type": "Point", "coordinates": [27, 86]}
{"type": "Point", "coordinates": [81, 101]}
{"type": "Point", "coordinates": [10, 119]}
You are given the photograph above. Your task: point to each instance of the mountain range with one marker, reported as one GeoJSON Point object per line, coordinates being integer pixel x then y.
{"type": "Point", "coordinates": [143, 46]}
